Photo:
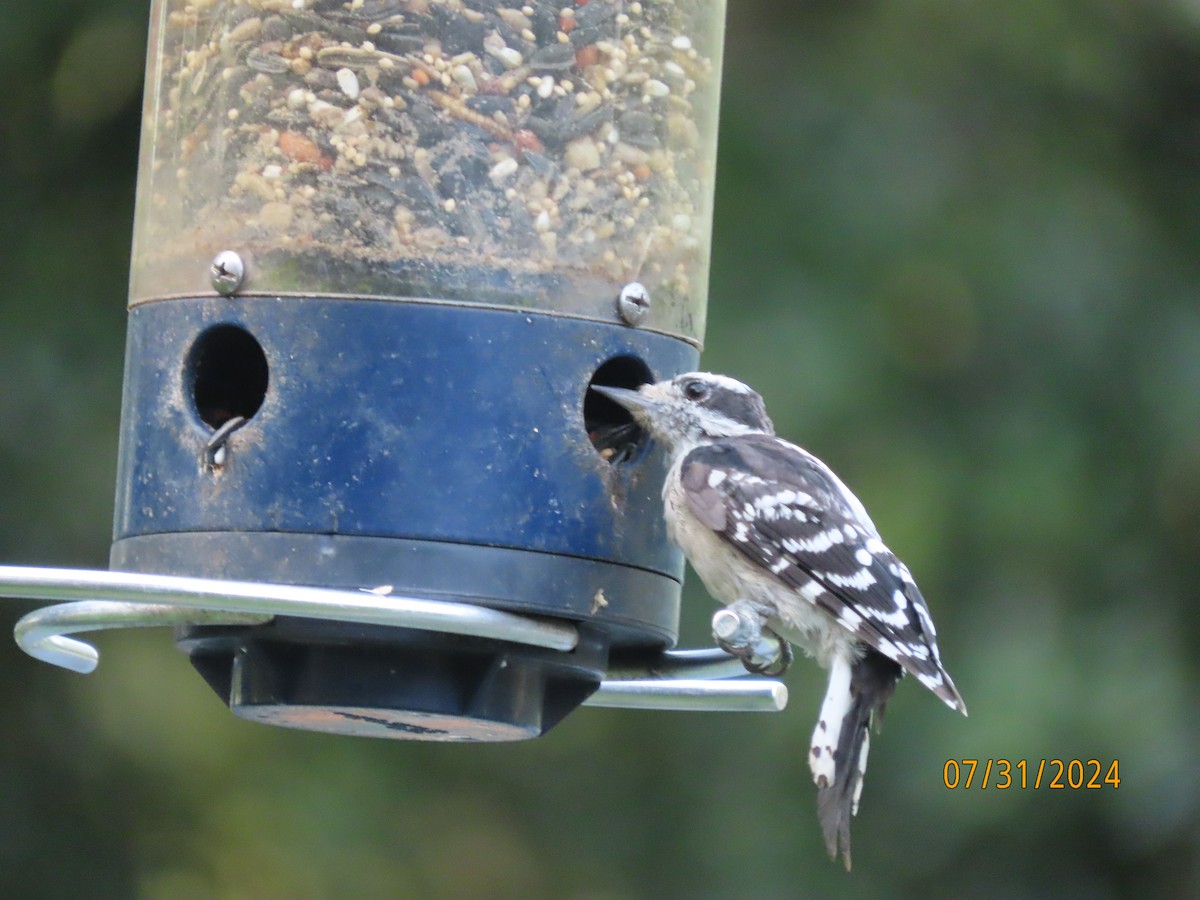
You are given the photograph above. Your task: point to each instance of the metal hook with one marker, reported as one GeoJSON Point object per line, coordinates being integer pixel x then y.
{"type": "Point", "coordinates": [215, 452]}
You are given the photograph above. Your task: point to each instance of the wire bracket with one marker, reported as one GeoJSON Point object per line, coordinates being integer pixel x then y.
{"type": "Point", "coordinates": [97, 600]}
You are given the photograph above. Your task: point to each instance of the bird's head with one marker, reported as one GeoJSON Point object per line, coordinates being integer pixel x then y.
{"type": "Point", "coordinates": [693, 409]}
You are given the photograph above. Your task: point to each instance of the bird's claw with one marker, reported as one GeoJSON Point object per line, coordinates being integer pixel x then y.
{"type": "Point", "coordinates": [771, 657]}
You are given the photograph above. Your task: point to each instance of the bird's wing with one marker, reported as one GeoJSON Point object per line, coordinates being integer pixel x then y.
{"type": "Point", "coordinates": [784, 510]}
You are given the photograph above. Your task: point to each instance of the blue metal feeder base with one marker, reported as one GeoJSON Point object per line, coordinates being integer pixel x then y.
{"type": "Point", "coordinates": [437, 450]}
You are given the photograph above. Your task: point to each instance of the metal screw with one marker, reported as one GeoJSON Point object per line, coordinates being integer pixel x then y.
{"type": "Point", "coordinates": [738, 627]}
{"type": "Point", "coordinates": [728, 626]}
{"type": "Point", "coordinates": [738, 630]}
{"type": "Point", "coordinates": [226, 272]}
{"type": "Point", "coordinates": [634, 302]}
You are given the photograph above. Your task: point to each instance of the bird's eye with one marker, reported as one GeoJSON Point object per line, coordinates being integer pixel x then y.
{"type": "Point", "coordinates": [695, 390]}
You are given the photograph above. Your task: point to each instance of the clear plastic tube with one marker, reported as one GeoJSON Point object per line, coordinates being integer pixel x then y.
{"type": "Point", "coordinates": [538, 156]}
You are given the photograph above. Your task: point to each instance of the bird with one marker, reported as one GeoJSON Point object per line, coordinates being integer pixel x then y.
{"type": "Point", "coordinates": [795, 559]}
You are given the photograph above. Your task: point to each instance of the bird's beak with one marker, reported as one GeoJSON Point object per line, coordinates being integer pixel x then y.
{"type": "Point", "coordinates": [634, 401]}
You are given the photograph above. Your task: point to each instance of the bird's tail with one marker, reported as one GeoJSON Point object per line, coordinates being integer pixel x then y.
{"type": "Point", "coordinates": [854, 700]}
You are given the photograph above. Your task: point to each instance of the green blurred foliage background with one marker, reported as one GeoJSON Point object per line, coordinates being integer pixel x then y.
{"type": "Point", "coordinates": [955, 247]}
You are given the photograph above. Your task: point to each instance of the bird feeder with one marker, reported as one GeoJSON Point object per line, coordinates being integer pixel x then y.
{"type": "Point", "coordinates": [382, 250]}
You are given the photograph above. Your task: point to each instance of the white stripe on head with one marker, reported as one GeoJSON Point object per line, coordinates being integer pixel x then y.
{"type": "Point", "coordinates": [722, 381]}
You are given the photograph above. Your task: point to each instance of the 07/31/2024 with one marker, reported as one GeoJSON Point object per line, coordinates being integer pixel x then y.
{"type": "Point", "coordinates": [1055, 774]}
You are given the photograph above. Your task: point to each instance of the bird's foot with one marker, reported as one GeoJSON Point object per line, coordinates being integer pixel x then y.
{"type": "Point", "coordinates": [740, 630]}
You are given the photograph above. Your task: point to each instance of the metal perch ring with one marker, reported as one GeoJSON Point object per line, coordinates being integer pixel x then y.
{"type": "Point", "coordinates": [96, 600]}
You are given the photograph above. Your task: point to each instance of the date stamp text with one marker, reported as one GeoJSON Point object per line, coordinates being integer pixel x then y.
{"type": "Point", "coordinates": [1027, 774]}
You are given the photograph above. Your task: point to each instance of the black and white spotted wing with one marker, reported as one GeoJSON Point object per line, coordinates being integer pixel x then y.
{"type": "Point", "coordinates": [784, 509]}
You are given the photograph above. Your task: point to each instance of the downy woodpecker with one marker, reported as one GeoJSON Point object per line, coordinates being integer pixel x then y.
{"type": "Point", "coordinates": [778, 538]}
